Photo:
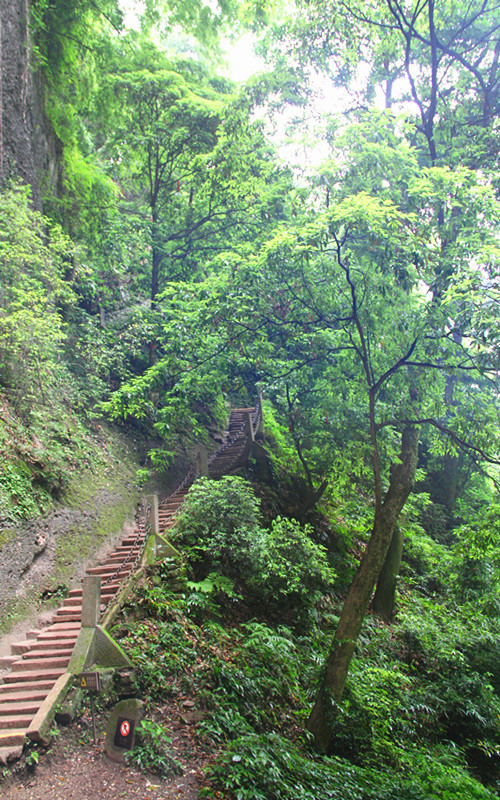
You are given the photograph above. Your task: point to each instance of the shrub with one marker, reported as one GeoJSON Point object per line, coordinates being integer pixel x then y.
{"type": "Point", "coordinates": [151, 751]}
{"type": "Point", "coordinates": [270, 767]}
{"type": "Point", "coordinates": [290, 566]}
{"type": "Point", "coordinates": [219, 524]}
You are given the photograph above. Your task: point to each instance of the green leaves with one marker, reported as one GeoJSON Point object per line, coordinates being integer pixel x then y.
{"type": "Point", "coordinates": [219, 524]}
{"type": "Point", "coordinates": [291, 567]}
{"type": "Point", "coordinates": [151, 753]}
{"type": "Point", "coordinates": [32, 266]}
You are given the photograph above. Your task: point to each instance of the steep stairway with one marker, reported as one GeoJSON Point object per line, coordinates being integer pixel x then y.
{"type": "Point", "coordinates": [222, 462]}
{"type": "Point", "coordinates": [39, 661]}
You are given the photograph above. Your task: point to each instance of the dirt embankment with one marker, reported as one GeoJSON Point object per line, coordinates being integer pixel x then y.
{"type": "Point", "coordinates": [42, 558]}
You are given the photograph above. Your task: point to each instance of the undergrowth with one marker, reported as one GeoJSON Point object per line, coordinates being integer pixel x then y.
{"type": "Point", "coordinates": [419, 719]}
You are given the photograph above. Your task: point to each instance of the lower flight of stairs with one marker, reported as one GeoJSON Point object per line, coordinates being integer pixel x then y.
{"type": "Point", "coordinates": [38, 664]}
{"type": "Point", "coordinates": [40, 661]}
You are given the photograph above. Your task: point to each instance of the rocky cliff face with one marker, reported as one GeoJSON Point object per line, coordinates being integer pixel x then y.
{"type": "Point", "coordinates": [28, 147]}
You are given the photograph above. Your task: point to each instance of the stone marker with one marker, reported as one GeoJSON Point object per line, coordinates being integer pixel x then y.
{"type": "Point", "coordinates": [121, 729]}
{"type": "Point", "coordinates": [202, 462]}
{"type": "Point", "coordinates": [91, 601]}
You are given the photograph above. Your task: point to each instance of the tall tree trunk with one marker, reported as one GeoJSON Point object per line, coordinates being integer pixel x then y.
{"type": "Point", "coordinates": [321, 720]}
{"type": "Point", "coordinates": [155, 273]}
{"type": "Point", "coordinates": [383, 601]}
{"type": "Point", "coordinates": [155, 258]}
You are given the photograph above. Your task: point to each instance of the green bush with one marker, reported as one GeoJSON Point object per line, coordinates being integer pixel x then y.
{"type": "Point", "coordinates": [219, 526]}
{"type": "Point", "coordinates": [270, 767]}
{"type": "Point", "coordinates": [161, 652]}
{"type": "Point", "coordinates": [151, 750]}
{"type": "Point", "coordinates": [290, 566]}
{"type": "Point", "coordinates": [264, 681]}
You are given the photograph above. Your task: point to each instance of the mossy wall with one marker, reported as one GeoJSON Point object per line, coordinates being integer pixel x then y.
{"type": "Point", "coordinates": [40, 559]}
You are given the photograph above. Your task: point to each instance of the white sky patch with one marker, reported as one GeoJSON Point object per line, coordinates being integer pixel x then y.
{"type": "Point", "coordinates": [132, 10]}
{"type": "Point", "coordinates": [241, 58]}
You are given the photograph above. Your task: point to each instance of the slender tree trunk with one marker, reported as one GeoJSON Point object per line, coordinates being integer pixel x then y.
{"type": "Point", "coordinates": [321, 720]}
{"type": "Point", "coordinates": [155, 274]}
{"type": "Point", "coordinates": [155, 258]}
{"type": "Point", "coordinates": [1, 99]}
{"type": "Point", "coordinates": [383, 601]}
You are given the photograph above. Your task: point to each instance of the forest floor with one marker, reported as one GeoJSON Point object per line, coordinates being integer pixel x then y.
{"type": "Point", "coordinates": [73, 767]}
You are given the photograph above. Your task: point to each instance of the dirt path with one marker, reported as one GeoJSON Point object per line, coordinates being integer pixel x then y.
{"type": "Point", "coordinates": [76, 769]}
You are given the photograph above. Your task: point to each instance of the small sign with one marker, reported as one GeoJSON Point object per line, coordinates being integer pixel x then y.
{"type": "Point", "coordinates": [90, 681]}
{"type": "Point", "coordinates": [124, 734]}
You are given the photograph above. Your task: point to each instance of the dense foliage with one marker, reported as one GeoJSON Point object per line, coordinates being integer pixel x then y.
{"type": "Point", "coordinates": [218, 527]}
{"type": "Point", "coordinates": [186, 258]}
{"type": "Point", "coordinates": [419, 718]}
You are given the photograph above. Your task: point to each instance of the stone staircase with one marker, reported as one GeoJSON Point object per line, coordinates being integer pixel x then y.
{"type": "Point", "coordinates": [38, 664]}
{"type": "Point", "coordinates": [229, 456]}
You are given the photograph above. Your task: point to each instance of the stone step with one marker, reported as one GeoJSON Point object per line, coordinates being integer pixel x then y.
{"type": "Point", "coordinates": [224, 464]}
{"type": "Point", "coordinates": [119, 558]}
{"type": "Point", "coordinates": [73, 611]}
{"type": "Point", "coordinates": [106, 571]}
{"type": "Point", "coordinates": [49, 653]}
{"type": "Point", "coordinates": [57, 636]}
{"type": "Point", "coordinates": [36, 663]}
{"type": "Point", "coordinates": [7, 661]}
{"type": "Point", "coordinates": [37, 645]}
{"type": "Point", "coordinates": [69, 617]}
{"type": "Point", "coordinates": [19, 648]}
{"type": "Point", "coordinates": [20, 707]}
{"type": "Point", "coordinates": [38, 683]}
{"type": "Point", "coordinates": [55, 644]}
{"type": "Point", "coordinates": [24, 697]}
{"type": "Point", "coordinates": [76, 594]}
{"type": "Point", "coordinates": [72, 617]}
{"type": "Point", "coordinates": [10, 753]}
{"type": "Point", "coordinates": [13, 736]}
{"type": "Point", "coordinates": [72, 602]}
{"type": "Point", "coordinates": [17, 721]}
{"type": "Point", "coordinates": [63, 626]}
{"type": "Point", "coordinates": [109, 562]}
{"type": "Point", "coordinates": [35, 673]}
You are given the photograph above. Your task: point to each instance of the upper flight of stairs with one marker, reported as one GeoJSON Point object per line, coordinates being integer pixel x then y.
{"type": "Point", "coordinates": [39, 661]}
{"type": "Point", "coordinates": [225, 459]}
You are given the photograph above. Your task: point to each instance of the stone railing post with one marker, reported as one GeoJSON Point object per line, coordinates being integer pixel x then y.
{"type": "Point", "coordinates": [260, 426]}
{"type": "Point", "coordinates": [91, 601]}
{"type": "Point", "coordinates": [202, 462]}
{"type": "Point", "coordinates": [154, 519]}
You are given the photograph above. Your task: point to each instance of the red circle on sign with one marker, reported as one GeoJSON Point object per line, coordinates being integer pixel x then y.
{"type": "Point", "coordinates": [125, 728]}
